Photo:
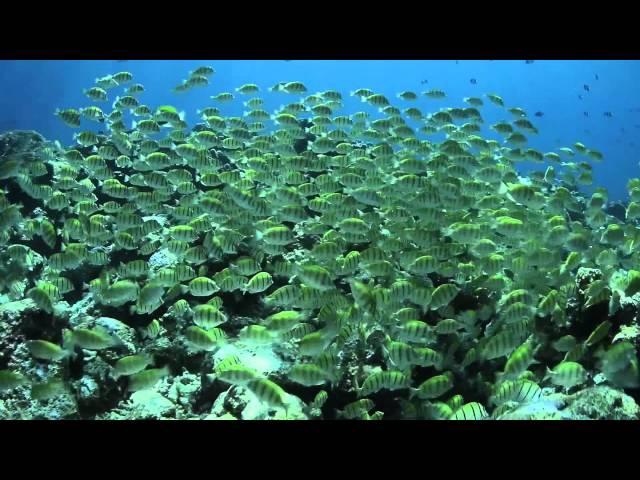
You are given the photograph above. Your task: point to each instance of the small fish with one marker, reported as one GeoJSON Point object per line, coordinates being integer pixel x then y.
{"type": "Point", "coordinates": [608, 114]}
{"type": "Point", "coordinates": [597, 78]}
{"type": "Point", "coordinates": [598, 334]}
{"type": "Point", "coordinates": [580, 97]}
{"type": "Point", "coordinates": [131, 364]}
{"type": "Point", "coordinates": [586, 87]}
{"type": "Point", "coordinates": [567, 374]}
{"type": "Point", "coordinates": [423, 82]}
{"type": "Point", "coordinates": [433, 387]}
{"type": "Point", "coordinates": [10, 380]}
{"type": "Point", "coordinates": [529, 62]}
{"type": "Point", "coordinates": [320, 399]}
{"type": "Point", "coordinates": [539, 114]}
{"type": "Point", "coordinates": [268, 392]}
{"type": "Point", "coordinates": [355, 409]}
{"type": "Point", "coordinates": [48, 389]}
{"type": "Point", "coordinates": [586, 114]}
{"type": "Point", "coordinates": [151, 331]}
{"type": "Point", "coordinates": [473, 81]}
{"type": "Point", "coordinates": [470, 411]}
{"type": "Point", "coordinates": [565, 343]}
{"type": "Point", "coordinates": [97, 338]}
{"type": "Point", "coordinates": [43, 350]}
{"type": "Point", "coordinates": [147, 378]}
{"type": "Point", "coordinates": [617, 357]}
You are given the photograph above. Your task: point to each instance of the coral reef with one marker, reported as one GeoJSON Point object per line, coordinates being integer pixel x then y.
{"type": "Point", "coordinates": [593, 403]}
{"type": "Point", "coordinates": [331, 267]}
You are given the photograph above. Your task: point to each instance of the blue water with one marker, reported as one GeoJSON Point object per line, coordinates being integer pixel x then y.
{"type": "Point", "coordinates": [30, 91]}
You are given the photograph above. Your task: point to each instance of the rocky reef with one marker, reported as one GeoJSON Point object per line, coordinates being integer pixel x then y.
{"type": "Point", "coordinates": [335, 267]}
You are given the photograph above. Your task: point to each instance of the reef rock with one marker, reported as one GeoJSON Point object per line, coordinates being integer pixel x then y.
{"type": "Point", "coordinates": [19, 141]}
{"type": "Point", "coordinates": [594, 403]}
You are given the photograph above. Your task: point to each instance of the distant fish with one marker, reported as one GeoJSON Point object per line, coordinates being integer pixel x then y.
{"type": "Point", "coordinates": [457, 62]}
{"type": "Point", "coordinates": [473, 81]}
{"type": "Point", "coordinates": [586, 114]}
{"type": "Point", "coordinates": [586, 87]}
{"type": "Point", "coordinates": [529, 62]}
{"type": "Point", "coordinates": [608, 114]}
{"type": "Point", "coordinates": [539, 114]}
{"type": "Point", "coordinates": [422, 82]}
{"type": "Point", "coordinates": [597, 77]}
{"type": "Point", "coordinates": [580, 97]}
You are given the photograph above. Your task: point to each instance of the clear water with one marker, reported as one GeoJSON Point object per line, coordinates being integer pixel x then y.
{"type": "Point", "coordinates": [30, 91]}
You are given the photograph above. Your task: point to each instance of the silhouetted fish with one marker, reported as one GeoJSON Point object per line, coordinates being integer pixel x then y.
{"type": "Point", "coordinates": [539, 114]}
{"type": "Point", "coordinates": [586, 114]}
{"type": "Point", "coordinates": [528, 62]}
{"type": "Point", "coordinates": [608, 114]}
{"type": "Point", "coordinates": [580, 97]}
{"type": "Point", "coordinates": [586, 87]}
{"type": "Point", "coordinates": [424, 81]}
{"type": "Point", "coordinates": [597, 77]}
{"type": "Point", "coordinates": [473, 81]}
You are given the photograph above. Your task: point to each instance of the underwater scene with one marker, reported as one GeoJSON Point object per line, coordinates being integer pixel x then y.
{"type": "Point", "coordinates": [319, 240]}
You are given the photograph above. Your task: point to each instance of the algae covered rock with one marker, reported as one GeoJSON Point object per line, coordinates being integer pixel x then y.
{"type": "Point", "coordinates": [17, 142]}
{"type": "Point", "coordinates": [148, 404]}
{"type": "Point", "coordinates": [602, 403]}
{"type": "Point", "coordinates": [240, 403]}
{"type": "Point", "coordinates": [142, 405]}
{"type": "Point", "coordinates": [594, 403]}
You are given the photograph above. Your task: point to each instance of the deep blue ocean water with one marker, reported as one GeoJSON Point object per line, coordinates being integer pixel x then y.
{"type": "Point", "coordinates": [30, 91]}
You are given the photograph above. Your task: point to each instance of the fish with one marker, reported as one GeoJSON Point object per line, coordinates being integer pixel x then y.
{"type": "Point", "coordinates": [404, 233]}
{"type": "Point", "coordinates": [586, 87]}
{"type": "Point", "coordinates": [269, 393]}
{"type": "Point", "coordinates": [567, 374]}
{"type": "Point", "coordinates": [131, 364]}
{"type": "Point", "coordinates": [46, 390]}
{"type": "Point", "coordinates": [146, 379]}
{"type": "Point", "coordinates": [10, 380]}
{"type": "Point", "coordinates": [470, 411]}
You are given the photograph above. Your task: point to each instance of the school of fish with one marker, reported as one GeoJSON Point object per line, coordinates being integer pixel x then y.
{"type": "Point", "coordinates": [395, 250]}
